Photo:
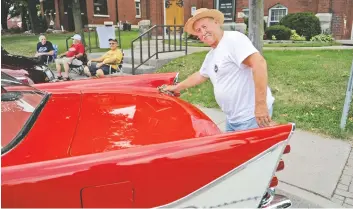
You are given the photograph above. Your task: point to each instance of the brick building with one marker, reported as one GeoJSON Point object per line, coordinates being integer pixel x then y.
{"type": "Point", "coordinates": [335, 15]}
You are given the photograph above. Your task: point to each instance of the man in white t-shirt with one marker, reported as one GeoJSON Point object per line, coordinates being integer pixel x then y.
{"type": "Point", "coordinates": [236, 69]}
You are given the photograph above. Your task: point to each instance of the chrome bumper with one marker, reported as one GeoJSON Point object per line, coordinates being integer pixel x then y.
{"type": "Point", "coordinates": [279, 201]}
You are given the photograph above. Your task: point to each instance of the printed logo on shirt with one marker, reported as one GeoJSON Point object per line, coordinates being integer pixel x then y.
{"type": "Point", "coordinates": [215, 68]}
{"type": "Point", "coordinates": [42, 49]}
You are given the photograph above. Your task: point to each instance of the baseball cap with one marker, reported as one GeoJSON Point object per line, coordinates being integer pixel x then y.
{"type": "Point", "coordinates": [77, 37]}
{"type": "Point", "coordinates": [113, 39]}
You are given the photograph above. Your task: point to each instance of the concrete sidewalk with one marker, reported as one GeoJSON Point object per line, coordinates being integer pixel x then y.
{"type": "Point", "coordinates": [319, 169]}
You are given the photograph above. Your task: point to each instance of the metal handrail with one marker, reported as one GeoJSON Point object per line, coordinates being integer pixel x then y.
{"type": "Point", "coordinates": [148, 32]}
{"type": "Point", "coordinates": [145, 33]}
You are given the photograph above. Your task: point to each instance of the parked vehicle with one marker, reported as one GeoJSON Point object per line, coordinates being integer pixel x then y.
{"type": "Point", "coordinates": [26, 69]}
{"type": "Point", "coordinates": [119, 142]}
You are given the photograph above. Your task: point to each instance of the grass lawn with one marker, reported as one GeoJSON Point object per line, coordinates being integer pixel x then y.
{"type": "Point", "coordinates": [306, 44]}
{"type": "Point", "coordinates": [26, 44]}
{"type": "Point", "coordinates": [309, 87]}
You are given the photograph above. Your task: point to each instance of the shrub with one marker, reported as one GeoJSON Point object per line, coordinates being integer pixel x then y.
{"type": "Point", "coordinates": [322, 38]}
{"type": "Point", "coordinates": [296, 37]}
{"type": "Point", "coordinates": [304, 23]}
{"type": "Point", "coordinates": [279, 31]}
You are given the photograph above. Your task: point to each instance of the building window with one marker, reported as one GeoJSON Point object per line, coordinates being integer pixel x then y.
{"type": "Point", "coordinates": [100, 7]}
{"type": "Point", "coordinates": [138, 8]}
{"type": "Point", "coordinates": [276, 13]}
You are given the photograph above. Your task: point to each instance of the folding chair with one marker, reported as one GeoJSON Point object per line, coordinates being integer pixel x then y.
{"type": "Point", "coordinates": [79, 69]}
{"type": "Point", "coordinates": [120, 66]}
{"type": "Point", "coordinates": [54, 56]}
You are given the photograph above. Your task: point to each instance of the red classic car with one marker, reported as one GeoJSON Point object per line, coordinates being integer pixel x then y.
{"type": "Point", "coordinates": [118, 142]}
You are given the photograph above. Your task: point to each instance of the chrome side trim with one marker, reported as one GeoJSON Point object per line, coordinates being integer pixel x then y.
{"type": "Point", "coordinates": [176, 78]}
{"type": "Point", "coordinates": [279, 201]}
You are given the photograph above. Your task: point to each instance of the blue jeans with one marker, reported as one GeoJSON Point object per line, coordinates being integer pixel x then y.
{"type": "Point", "coordinates": [248, 124]}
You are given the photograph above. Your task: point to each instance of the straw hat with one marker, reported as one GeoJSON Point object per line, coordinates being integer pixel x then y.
{"type": "Point", "coordinates": [201, 13]}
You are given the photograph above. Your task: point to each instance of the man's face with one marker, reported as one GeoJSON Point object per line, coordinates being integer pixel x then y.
{"type": "Point", "coordinates": [113, 45]}
{"type": "Point", "coordinates": [43, 40]}
{"type": "Point", "coordinates": [205, 29]}
{"type": "Point", "coordinates": [75, 41]}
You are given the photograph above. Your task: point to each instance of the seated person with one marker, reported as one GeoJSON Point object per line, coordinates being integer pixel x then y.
{"type": "Point", "coordinates": [76, 51]}
{"type": "Point", "coordinates": [101, 66]}
{"type": "Point", "coordinates": [45, 50]}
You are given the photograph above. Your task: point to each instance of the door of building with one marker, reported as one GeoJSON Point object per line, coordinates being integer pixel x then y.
{"type": "Point", "coordinates": [174, 10]}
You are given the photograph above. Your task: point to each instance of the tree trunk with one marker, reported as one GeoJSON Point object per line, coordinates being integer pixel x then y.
{"type": "Point", "coordinates": [33, 17]}
{"type": "Point", "coordinates": [4, 13]}
{"type": "Point", "coordinates": [76, 12]}
{"type": "Point", "coordinates": [24, 19]}
{"type": "Point", "coordinates": [256, 23]}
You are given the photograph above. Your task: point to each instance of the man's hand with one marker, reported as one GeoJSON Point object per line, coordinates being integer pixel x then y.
{"type": "Point", "coordinates": [37, 54]}
{"type": "Point", "coordinates": [169, 89]}
{"type": "Point", "coordinates": [99, 64]}
{"type": "Point", "coordinates": [89, 63]}
{"type": "Point", "coordinates": [172, 88]}
{"type": "Point", "coordinates": [262, 115]}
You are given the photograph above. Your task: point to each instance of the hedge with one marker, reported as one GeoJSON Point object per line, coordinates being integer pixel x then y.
{"type": "Point", "coordinates": [281, 32]}
{"type": "Point", "coordinates": [304, 23]}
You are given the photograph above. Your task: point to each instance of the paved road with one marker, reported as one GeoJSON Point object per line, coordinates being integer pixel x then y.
{"type": "Point", "coordinates": [298, 202]}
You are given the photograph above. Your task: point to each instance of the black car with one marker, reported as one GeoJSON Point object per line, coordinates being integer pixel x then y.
{"type": "Point", "coordinates": [38, 72]}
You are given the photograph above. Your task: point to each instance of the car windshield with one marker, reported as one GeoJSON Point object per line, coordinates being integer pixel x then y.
{"type": "Point", "coordinates": [20, 106]}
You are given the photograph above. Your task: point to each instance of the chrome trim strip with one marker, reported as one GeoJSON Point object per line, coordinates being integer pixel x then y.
{"type": "Point", "coordinates": [176, 78]}
{"type": "Point", "coordinates": [279, 201]}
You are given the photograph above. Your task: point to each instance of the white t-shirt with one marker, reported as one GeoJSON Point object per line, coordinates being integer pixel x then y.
{"type": "Point", "coordinates": [233, 83]}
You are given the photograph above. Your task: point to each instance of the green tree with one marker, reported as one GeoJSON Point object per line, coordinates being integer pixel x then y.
{"type": "Point", "coordinates": [76, 13]}
{"type": "Point", "coordinates": [5, 7]}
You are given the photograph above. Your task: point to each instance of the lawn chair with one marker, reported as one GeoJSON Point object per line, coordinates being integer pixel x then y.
{"type": "Point", "coordinates": [54, 56]}
{"type": "Point", "coordinates": [120, 66]}
{"type": "Point", "coordinates": [79, 69]}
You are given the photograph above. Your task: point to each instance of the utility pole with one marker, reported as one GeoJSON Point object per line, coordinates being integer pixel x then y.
{"type": "Point", "coordinates": [256, 23]}
{"type": "Point", "coordinates": [347, 101]}
{"type": "Point", "coordinates": [117, 22]}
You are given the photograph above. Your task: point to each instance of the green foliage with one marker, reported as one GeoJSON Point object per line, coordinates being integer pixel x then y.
{"type": "Point", "coordinates": [279, 31]}
{"type": "Point", "coordinates": [322, 38]}
{"type": "Point", "coordinates": [18, 7]}
{"type": "Point", "coordinates": [295, 37]}
{"type": "Point", "coordinates": [304, 23]}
